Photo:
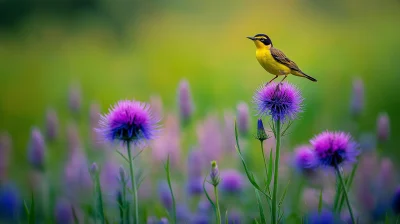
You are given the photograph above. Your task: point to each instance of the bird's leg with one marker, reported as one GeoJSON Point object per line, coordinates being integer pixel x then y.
{"type": "Point", "coordinates": [283, 79]}
{"type": "Point", "coordinates": [271, 80]}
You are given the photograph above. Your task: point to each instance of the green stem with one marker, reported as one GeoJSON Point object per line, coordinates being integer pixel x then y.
{"type": "Point", "coordinates": [349, 182]}
{"type": "Point", "coordinates": [133, 183]}
{"type": "Point", "coordinates": [100, 199]}
{"type": "Point", "coordinates": [265, 163]}
{"type": "Point", "coordinates": [276, 172]}
{"type": "Point", "coordinates": [345, 193]}
{"type": "Point", "coordinates": [124, 211]}
{"type": "Point", "coordinates": [217, 205]}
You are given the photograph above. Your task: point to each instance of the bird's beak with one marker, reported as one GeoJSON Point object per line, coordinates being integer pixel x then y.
{"type": "Point", "coordinates": [252, 38]}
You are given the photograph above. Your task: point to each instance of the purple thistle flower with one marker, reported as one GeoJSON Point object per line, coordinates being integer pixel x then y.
{"type": "Point", "coordinates": [243, 117]}
{"type": "Point", "coordinates": [383, 127]}
{"type": "Point", "coordinates": [74, 98]}
{"type": "Point", "coordinates": [63, 212]}
{"type": "Point", "coordinates": [357, 98]}
{"type": "Point", "coordinates": [231, 181]}
{"type": "Point", "coordinates": [396, 202]}
{"type": "Point", "coordinates": [282, 102]}
{"type": "Point", "coordinates": [10, 203]}
{"type": "Point", "coordinates": [36, 149]}
{"type": "Point", "coordinates": [52, 124]}
{"type": "Point", "coordinates": [333, 148]}
{"type": "Point", "coordinates": [305, 159]}
{"type": "Point", "coordinates": [185, 101]}
{"type": "Point", "coordinates": [5, 149]}
{"type": "Point", "coordinates": [128, 122]}
{"type": "Point", "coordinates": [165, 195]}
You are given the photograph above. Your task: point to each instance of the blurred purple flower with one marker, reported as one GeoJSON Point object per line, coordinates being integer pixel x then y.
{"type": "Point", "coordinates": [78, 183]}
{"type": "Point", "coordinates": [110, 176]}
{"type": "Point", "coordinates": [168, 142]}
{"type": "Point", "coordinates": [195, 185]}
{"type": "Point", "coordinates": [368, 142]}
{"type": "Point", "coordinates": [73, 140]}
{"type": "Point", "coordinates": [282, 102]}
{"type": "Point", "coordinates": [185, 101]}
{"type": "Point", "coordinates": [36, 149]}
{"type": "Point", "coordinates": [195, 163]}
{"type": "Point", "coordinates": [231, 181]}
{"type": "Point", "coordinates": [163, 221]}
{"type": "Point", "coordinates": [204, 207]}
{"type": "Point", "coordinates": [229, 141]}
{"type": "Point", "coordinates": [234, 217]}
{"type": "Point", "coordinates": [151, 220]}
{"type": "Point", "coordinates": [323, 217]}
{"type": "Point", "coordinates": [165, 195]}
{"type": "Point", "coordinates": [94, 118]}
{"type": "Point", "coordinates": [63, 212]}
{"type": "Point", "coordinates": [156, 106]}
{"type": "Point", "coordinates": [357, 98]}
{"type": "Point", "coordinates": [183, 214]}
{"type": "Point", "coordinates": [209, 135]}
{"type": "Point", "coordinates": [333, 148]}
{"type": "Point", "coordinates": [383, 127]}
{"type": "Point", "coordinates": [243, 117]}
{"type": "Point", "coordinates": [200, 219]}
{"type": "Point", "coordinates": [5, 150]}
{"type": "Point", "coordinates": [10, 203]}
{"type": "Point", "coordinates": [396, 202]}
{"type": "Point", "coordinates": [52, 124]}
{"type": "Point", "coordinates": [128, 122]}
{"type": "Point", "coordinates": [94, 170]}
{"type": "Point", "coordinates": [305, 159]}
{"type": "Point", "coordinates": [74, 98]}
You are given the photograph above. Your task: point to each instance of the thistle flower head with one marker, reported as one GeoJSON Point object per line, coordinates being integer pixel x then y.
{"type": "Point", "coordinates": [333, 148]}
{"type": "Point", "coordinates": [357, 98]}
{"type": "Point", "coordinates": [383, 127]}
{"type": "Point", "coordinates": [243, 117]}
{"type": "Point", "coordinates": [396, 202]}
{"type": "Point", "coordinates": [305, 159]}
{"type": "Point", "coordinates": [185, 101]}
{"type": "Point", "coordinates": [281, 101]}
{"type": "Point", "coordinates": [51, 124]}
{"type": "Point", "coordinates": [232, 181]}
{"type": "Point", "coordinates": [261, 134]}
{"type": "Point", "coordinates": [214, 174]}
{"type": "Point", "coordinates": [128, 122]}
{"type": "Point", "coordinates": [36, 149]}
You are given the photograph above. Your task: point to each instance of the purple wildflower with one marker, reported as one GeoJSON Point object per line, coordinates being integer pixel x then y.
{"type": "Point", "coordinates": [234, 217]}
{"type": "Point", "coordinates": [10, 203]}
{"type": "Point", "coordinates": [231, 181]}
{"type": "Point", "coordinates": [281, 101]}
{"type": "Point", "coordinates": [195, 163]}
{"type": "Point", "coordinates": [243, 117]}
{"type": "Point", "coordinates": [333, 148]}
{"type": "Point", "coordinates": [128, 122]}
{"type": "Point", "coordinates": [229, 141]}
{"type": "Point", "coordinates": [261, 134]}
{"type": "Point", "coordinates": [210, 138]}
{"type": "Point", "coordinates": [73, 140]}
{"type": "Point", "coordinates": [51, 124]}
{"type": "Point", "coordinates": [165, 195]}
{"type": "Point", "coordinates": [74, 98]}
{"type": "Point", "coordinates": [163, 221]}
{"type": "Point", "coordinates": [305, 159]}
{"type": "Point", "coordinates": [185, 101]}
{"type": "Point", "coordinates": [5, 149]}
{"type": "Point", "coordinates": [383, 127]}
{"type": "Point", "coordinates": [36, 149]}
{"type": "Point", "coordinates": [396, 202]}
{"type": "Point", "coordinates": [357, 99]}
{"type": "Point", "coordinates": [77, 177]}
{"type": "Point", "coordinates": [323, 217]}
{"type": "Point", "coordinates": [195, 185]}
{"type": "Point", "coordinates": [63, 212]}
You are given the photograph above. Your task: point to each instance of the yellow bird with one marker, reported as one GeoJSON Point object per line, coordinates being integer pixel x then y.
{"type": "Point", "coordinates": [275, 61]}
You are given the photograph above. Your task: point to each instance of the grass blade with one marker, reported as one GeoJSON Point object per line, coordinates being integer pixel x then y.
{"type": "Point", "coordinates": [260, 208]}
{"type": "Point", "coordinates": [31, 217]}
{"type": "Point", "coordinates": [167, 170]}
{"type": "Point", "coordinates": [284, 194]}
{"type": "Point", "coordinates": [208, 196]}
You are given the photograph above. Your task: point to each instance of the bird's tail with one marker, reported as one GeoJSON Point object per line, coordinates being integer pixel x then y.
{"type": "Point", "coordinates": [301, 74]}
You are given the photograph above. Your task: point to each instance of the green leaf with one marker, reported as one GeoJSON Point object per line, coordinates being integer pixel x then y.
{"type": "Point", "coordinates": [123, 156]}
{"type": "Point", "coordinates": [249, 175]}
{"type": "Point", "coordinates": [135, 156]}
{"type": "Point", "coordinates": [284, 194]}
{"type": "Point", "coordinates": [255, 220]}
{"type": "Point", "coordinates": [260, 208]}
{"type": "Point", "coordinates": [31, 217]}
{"type": "Point", "coordinates": [208, 196]}
{"type": "Point", "coordinates": [349, 182]}
{"type": "Point", "coordinates": [167, 170]}
{"type": "Point", "coordinates": [320, 201]}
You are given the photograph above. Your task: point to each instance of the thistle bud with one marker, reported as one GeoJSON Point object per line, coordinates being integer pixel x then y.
{"type": "Point", "coordinates": [261, 134]}
{"type": "Point", "coordinates": [93, 170]}
{"type": "Point", "coordinates": [214, 174]}
{"type": "Point", "coordinates": [383, 126]}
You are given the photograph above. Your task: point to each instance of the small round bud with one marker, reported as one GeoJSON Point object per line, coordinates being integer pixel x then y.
{"type": "Point", "coordinates": [214, 173]}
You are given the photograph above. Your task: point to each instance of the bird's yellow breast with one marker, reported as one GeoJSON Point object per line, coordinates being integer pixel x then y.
{"type": "Point", "coordinates": [266, 60]}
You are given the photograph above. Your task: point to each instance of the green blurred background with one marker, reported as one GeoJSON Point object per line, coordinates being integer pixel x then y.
{"type": "Point", "coordinates": [134, 49]}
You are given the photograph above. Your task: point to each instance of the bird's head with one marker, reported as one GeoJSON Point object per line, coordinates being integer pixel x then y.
{"type": "Point", "coordinates": [261, 41]}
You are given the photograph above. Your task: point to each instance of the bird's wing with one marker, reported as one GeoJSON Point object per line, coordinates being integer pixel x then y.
{"type": "Point", "coordinates": [280, 57]}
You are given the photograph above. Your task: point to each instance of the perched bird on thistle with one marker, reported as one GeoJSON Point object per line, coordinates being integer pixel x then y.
{"type": "Point", "coordinates": [275, 61]}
